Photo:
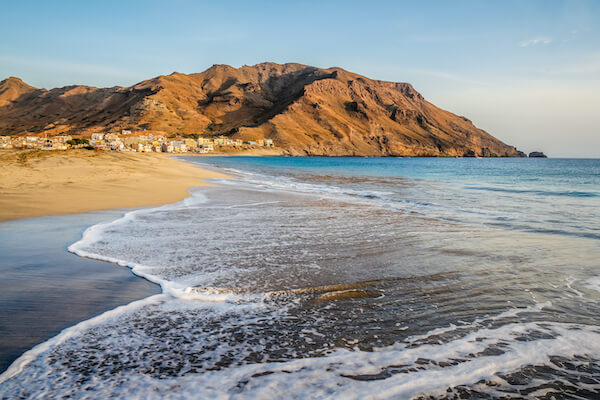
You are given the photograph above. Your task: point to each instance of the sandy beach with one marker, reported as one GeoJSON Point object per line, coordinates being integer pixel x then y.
{"type": "Point", "coordinates": [37, 183]}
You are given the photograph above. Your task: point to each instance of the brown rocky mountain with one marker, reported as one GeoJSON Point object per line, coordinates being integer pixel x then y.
{"type": "Point", "coordinates": [12, 89]}
{"type": "Point", "coordinates": [305, 110]}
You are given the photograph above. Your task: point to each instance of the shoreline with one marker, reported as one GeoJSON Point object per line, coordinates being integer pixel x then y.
{"type": "Point", "coordinates": [44, 273]}
{"type": "Point", "coordinates": [37, 183]}
{"type": "Point", "coordinates": [53, 257]}
{"type": "Point", "coordinates": [46, 289]}
{"type": "Point", "coordinates": [458, 269]}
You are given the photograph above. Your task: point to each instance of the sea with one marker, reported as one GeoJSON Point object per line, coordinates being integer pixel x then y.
{"type": "Point", "coordinates": [346, 278]}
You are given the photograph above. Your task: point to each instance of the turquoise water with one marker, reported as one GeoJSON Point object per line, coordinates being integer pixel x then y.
{"type": "Point", "coordinates": [560, 196]}
{"type": "Point", "coordinates": [347, 278]}
{"type": "Point", "coordinates": [569, 174]}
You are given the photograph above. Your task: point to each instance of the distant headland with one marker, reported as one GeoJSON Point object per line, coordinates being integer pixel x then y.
{"type": "Point", "coordinates": [299, 109]}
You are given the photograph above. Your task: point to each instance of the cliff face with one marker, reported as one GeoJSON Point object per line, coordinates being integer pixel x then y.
{"type": "Point", "coordinates": [305, 110]}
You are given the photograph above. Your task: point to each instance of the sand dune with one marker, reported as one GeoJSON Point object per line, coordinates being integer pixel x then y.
{"type": "Point", "coordinates": [36, 183]}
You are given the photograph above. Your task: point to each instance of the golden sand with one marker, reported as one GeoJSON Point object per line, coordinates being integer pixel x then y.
{"type": "Point", "coordinates": [36, 183]}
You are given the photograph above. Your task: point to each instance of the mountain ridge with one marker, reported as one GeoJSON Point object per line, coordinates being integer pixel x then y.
{"type": "Point", "coordinates": [306, 110]}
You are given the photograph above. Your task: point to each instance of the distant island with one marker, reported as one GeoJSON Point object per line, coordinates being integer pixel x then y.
{"type": "Point", "coordinates": [302, 110]}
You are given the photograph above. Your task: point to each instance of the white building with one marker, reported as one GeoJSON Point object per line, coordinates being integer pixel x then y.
{"type": "Point", "coordinates": [5, 142]}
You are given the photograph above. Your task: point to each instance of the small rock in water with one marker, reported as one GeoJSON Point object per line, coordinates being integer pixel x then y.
{"type": "Point", "coordinates": [537, 154]}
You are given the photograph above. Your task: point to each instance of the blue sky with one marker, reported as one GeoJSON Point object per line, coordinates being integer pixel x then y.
{"type": "Point", "coordinates": [528, 72]}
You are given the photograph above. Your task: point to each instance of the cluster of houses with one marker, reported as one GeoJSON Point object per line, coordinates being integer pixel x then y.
{"type": "Point", "coordinates": [125, 141]}
{"type": "Point", "coordinates": [36, 142]}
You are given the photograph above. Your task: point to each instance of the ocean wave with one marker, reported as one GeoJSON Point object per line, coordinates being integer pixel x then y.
{"type": "Point", "coordinates": [203, 339]}
{"type": "Point", "coordinates": [101, 356]}
{"type": "Point", "coordinates": [411, 200]}
{"type": "Point", "coordinates": [96, 233]}
{"type": "Point", "coordinates": [594, 283]}
{"type": "Point", "coordinates": [538, 192]}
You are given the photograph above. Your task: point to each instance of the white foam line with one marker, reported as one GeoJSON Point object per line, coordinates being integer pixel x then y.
{"type": "Point", "coordinates": [348, 362]}
{"type": "Point", "coordinates": [261, 203]}
{"type": "Point", "coordinates": [569, 281]}
{"type": "Point", "coordinates": [470, 371]}
{"type": "Point", "coordinates": [285, 184]}
{"type": "Point", "coordinates": [17, 366]}
{"type": "Point", "coordinates": [94, 234]}
{"type": "Point", "coordinates": [328, 377]}
{"type": "Point", "coordinates": [513, 312]}
{"type": "Point", "coordinates": [594, 283]}
{"type": "Point", "coordinates": [270, 183]}
{"type": "Point", "coordinates": [479, 368]}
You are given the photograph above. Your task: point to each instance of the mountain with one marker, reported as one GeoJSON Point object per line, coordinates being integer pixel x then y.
{"type": "Point", "coordinates": [12, 89]}
{"type": "Point", "coordinates": [305, 110]}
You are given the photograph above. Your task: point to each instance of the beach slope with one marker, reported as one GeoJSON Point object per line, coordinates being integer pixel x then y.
{"type": "Point", "coordinates": [35, 183]}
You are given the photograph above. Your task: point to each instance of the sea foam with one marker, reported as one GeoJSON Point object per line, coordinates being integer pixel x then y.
{"type": "Point", "coordinates": [450, 310]}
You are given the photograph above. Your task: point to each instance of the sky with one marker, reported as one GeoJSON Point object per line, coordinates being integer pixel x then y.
{"type": "Point", "coordinates": [526, 71]}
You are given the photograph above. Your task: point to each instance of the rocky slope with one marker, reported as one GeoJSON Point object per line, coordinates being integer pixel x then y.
{"type": "Point", "coordinates": [305, 110]}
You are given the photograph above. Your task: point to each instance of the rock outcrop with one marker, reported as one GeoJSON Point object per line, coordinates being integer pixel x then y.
{"type": "Point", "coordinates": [537, 154]}
{"type": "Point", "coordinates": [305, 110]}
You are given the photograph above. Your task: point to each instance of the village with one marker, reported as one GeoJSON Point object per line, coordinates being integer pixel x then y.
{"type": "Point", "coordinates": [126, 140]}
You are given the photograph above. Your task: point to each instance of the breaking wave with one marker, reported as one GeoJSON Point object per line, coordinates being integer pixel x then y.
{"type": "Point", "coordinates": [315, 288]}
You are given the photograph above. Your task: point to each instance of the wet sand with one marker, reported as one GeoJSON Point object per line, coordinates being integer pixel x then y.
{"type": "Point", "coordinates": [45, 289]}
{"type": "Point", "coordinates": [35, 183]}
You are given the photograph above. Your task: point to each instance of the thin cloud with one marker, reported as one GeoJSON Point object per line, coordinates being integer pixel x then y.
{"type": "Point", "coordinates": [535, 42]}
